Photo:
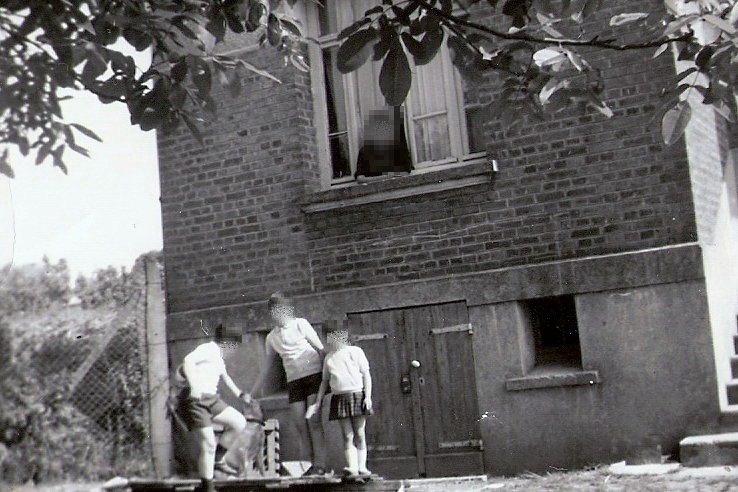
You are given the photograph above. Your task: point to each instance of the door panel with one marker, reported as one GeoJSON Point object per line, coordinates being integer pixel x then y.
{"type": "Point", "coordinates": [434, 424]}
{"type": "Point", "coordinates": [390, 431]}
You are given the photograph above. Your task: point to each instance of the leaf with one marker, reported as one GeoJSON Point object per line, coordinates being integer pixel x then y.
{"type": "Point", "coordinates": [43, 153]}
{"type": "Point", "coordinates": [193, 127]}
{"type": "Point", "coordinates": [720, 23]}
{"type": "Point", "coordinates": [395, 77]}
{"type": "Point", "coordinates": [349, 30]}
{"type": "Point", "coordinates": [621, 19]}
{"type": "Point", "coordinates": [202, 77]}
{"type": "Point", "coordinates": [549, 57]}
{"type": "Point", "coordinates": [217, 27]}
{"type": "Point", "coordinates": [702, 60]}
{"type": "Point", "coordinates": [179, 70]}
{"type": "Point", "coordinates": [85, 131]}
{"type": "Point", "coordinates": [355, 50]}
{"type": "Point", "coordinates": [431, 43]}
{"type": "Point", "coordinates": [274, 30]}
{"type": "Point", "coordinates": [675, 122]}
{"type": "Point", "coordinates": [5, 166]}
{"type": "Point", "coordinates": [138, 39]}
{"type": "Point", "coordinates": [660, 50]}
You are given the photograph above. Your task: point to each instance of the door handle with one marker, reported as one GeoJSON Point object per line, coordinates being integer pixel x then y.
{"type": "Point", "coordinates": [406, 385]}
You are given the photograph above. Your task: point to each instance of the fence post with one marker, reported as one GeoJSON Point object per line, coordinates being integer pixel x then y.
{"type": "Point", "coordinates": [160, 430]}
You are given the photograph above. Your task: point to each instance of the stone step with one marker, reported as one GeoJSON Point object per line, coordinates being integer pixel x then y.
{"type": "Point", "coordinates": [709, 450]}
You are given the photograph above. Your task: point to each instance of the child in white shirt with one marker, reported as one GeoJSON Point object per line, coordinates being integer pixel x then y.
{"type": "Point", "coordinates": [347, 369]}
{"type": "Point", "coordinates": [294, 341]}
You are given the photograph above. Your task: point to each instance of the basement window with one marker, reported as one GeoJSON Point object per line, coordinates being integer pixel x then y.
{"type": "Point", "coordinates": [553, 333]}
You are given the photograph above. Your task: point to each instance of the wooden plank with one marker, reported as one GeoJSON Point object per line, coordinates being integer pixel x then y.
{"type": "Point", "coordinates": [465, 327]}
{"type": "Point", "coordinates": [369, 336]}
{"type": "Point", "coordinates": [414, 351]}
{"type": "Point", "coordinates": [469, 443]}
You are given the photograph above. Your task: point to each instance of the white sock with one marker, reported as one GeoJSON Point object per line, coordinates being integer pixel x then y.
{"type": "Point", "coordinates": [352, 459]}
{"type": "Point", "coordinates": [361, 455]}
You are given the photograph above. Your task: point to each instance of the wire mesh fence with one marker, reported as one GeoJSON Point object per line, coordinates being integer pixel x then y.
{"type": "Point", "coordinates": [74, 394]}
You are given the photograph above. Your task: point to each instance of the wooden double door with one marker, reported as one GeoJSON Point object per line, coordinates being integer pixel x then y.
{"type": "Point", "coordinates": [424, 391]}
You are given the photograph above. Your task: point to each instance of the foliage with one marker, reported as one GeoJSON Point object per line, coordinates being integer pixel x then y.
{"type": "Point", "coordinates": [106, 285]}
{"type": "Point", "coordinates": [34, 287]}
{"type": "Point", "coordinates": [46, 434]}
{"type": "Point", "coordinates": [540, 47]}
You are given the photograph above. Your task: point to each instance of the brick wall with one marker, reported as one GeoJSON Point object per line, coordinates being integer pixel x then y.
{"type": "Point", "coordinates": [708, 143]}
{"type": "Point", "coordinates": [574, 185]}
{"type": "Point", "coordinates": [232, 225]}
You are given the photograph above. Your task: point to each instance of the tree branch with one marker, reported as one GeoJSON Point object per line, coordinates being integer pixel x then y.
{"type": "Point", "coordinates": [518, 36]}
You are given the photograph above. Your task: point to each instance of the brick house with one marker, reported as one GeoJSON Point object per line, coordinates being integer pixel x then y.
{"type": "Point", "coordinates": [568, 286]}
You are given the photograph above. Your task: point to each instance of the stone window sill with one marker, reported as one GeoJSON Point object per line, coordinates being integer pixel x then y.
{"type": "Point", "coordinates": [553, 380]}
{"type": "Point", "coordinates": [468, 174]}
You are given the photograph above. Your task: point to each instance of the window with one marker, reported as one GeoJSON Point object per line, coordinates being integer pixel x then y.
{"type": "Point", "coordinates": [553, 334]}
{"type": "Point", "coordinates": [439, 128]}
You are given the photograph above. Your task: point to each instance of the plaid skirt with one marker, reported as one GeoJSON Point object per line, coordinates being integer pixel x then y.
{"type": "Point", "coordinates": [347, 405]}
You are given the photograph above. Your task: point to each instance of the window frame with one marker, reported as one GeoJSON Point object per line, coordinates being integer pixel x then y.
{"type": "Point", "coordinates": [453, 90]}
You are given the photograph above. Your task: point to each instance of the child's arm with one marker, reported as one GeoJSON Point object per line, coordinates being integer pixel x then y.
{"type": "Point", "coordinates": [269, 359]}
{"type": "Point", "coordinates": [312, 337]}
{"type": "Point", "coordinates": [367, 378]}
{"type": "Point", "coordinates": [232, 386]}
{"type": "Point", "coordinates": [315, 407]}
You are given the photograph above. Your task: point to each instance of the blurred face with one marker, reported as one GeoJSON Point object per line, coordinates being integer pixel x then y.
{"type": "Point", "coordinates": [229, 346]}
{"type": "Point", "coordinates": [282, 314]}
{"type": "Point", "coordinates": [336, 339]}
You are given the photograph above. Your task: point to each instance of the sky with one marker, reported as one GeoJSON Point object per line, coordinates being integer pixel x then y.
{"type": "Point", "coordinates": [104, 212]}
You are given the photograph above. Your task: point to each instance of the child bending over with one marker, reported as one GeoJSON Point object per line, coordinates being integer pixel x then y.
{"type": "Point", "coordinates": [347, 369]}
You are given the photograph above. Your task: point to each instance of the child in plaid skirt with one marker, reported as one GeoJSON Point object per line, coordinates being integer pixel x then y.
{"type": "Point", "coordinates": [346, 368]}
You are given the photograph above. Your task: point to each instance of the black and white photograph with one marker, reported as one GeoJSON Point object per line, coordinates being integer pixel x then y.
{"type": "Point", "coordinates": [368, 245]}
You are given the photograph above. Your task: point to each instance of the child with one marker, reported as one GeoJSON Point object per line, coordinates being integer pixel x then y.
{"type": "Point", "coordinates": [347, 369]}
{"type": "Point", "coordinates": [294, 340]}
{"type": "Point", "coordinates": [200, 405]}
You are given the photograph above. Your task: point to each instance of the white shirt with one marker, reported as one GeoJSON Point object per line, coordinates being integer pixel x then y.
{"type": "Point", "coordinates": [346, 367]}
{"type": "Point", "coordinates": [296, 344]}
{"type": "Point", "coordinates": [203, 368]}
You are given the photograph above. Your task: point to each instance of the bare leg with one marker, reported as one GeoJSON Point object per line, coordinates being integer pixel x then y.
{"type": "Point", "coordinates": [317, 436]}
{"type": "Point", "coordinates": [359, 426]}
{"type": "Point", "coordinates": [233, 422]}
{"type": "Point", "coordinates": [349, 449]}
{"type": "Point", "coordinates": [297, 410]}
{"type": "Point", "coordinates": [206, 459]}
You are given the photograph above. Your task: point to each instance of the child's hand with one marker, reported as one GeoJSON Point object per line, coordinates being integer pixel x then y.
{"type": "Point", "coordinates": [312, 410]}
{"type": "Point", "coordinates": [368, 403]}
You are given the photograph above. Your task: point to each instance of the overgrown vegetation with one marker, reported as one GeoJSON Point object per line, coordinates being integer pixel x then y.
{"type": "Point", "coordinates": [49, 431]}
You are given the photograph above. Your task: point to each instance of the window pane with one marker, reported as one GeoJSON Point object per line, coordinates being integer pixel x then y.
{"type": "Point", "coordinates": [334, 92]}
{"type": "Point", "coordinates": [327, 17]}
{"type": "Point", "coordinates": [431, 138]}
{"type": "Point", "coordinates": [340, 155]}
{"type": "Point", "coordinates": [430, 113]}
{"type": "Point", "coordinates": [474, 128]}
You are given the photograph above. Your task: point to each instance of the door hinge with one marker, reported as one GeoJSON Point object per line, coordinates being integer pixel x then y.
{"type": "Point", "coordinates": [384, 447]}
{"type": "Point", "coordinates": [470, 443]}
{"type": "Point", "coordinates": [370, 336]}
{"type": "Point", "coordinates": [467, 327]}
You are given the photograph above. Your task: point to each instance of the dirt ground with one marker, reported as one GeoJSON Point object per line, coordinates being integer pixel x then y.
{"type": "Point", "coordinates": [720, 479]}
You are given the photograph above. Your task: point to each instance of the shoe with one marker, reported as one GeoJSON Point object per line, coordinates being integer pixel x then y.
{"type": "Point", "coordinates": [224, 467]}
{"type": "Point", "coordinates": [365, 473]}
{"type": "Point", "coordinates": [314, 471]}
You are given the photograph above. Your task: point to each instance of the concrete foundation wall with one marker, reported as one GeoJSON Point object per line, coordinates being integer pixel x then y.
{"type": "Point", "coordinates": [644, 329]}
{"type": "Point", "coordinates": [650, 346]}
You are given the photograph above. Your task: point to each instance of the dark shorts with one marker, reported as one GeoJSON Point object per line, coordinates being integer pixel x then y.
{"type": "Point", "coordinates": [199, 412]}
{"type": "Point", "coordinates": [300, 389]}
{"type": "Point", "coordinates": [347, 405]}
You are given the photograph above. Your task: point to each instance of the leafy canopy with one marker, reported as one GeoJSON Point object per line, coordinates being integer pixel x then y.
{"type": "Point", "coordinates": [539, 47]}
